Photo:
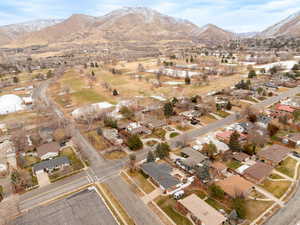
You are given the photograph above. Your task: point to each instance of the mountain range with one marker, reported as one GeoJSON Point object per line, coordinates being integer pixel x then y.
{"type": "Point", "coordinates": [130, 24]}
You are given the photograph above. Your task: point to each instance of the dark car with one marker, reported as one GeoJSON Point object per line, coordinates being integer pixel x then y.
{"type": "Point", "coordinates": [296, 154]}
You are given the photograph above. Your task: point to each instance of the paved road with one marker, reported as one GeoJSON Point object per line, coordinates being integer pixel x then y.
{"type": "Point", "coordinates": [85, 207]}
{"type": "Point", "coordinates": [102, 170]}
{"type": "Point", "coordinates": [190, 135]}
{"type": "Point", "coordinates": [289, 215]}
{"type": "Point", "coordinates": [134, 206]}
{"type": "Point", "coordinates": [39, 196]}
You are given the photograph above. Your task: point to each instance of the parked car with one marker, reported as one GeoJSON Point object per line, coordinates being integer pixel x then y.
{"type": "Point", "coordinates": [296, 154]}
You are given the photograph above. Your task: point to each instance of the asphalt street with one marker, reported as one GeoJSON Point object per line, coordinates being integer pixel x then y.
{"type": "Point", "coordinates": [191, 135]}
{"type": "Point", "coordinates": [107, 171]}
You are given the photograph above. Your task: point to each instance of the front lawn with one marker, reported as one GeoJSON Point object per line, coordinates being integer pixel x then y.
{"type": "Point", "coordinates": [87, 96]}
{"type": "Point", "coordinates": [275, 176]}
{"type": "Point", "coordinates": [233, 164]}
{"type": "Point", "coordinates": [174, 134]}
{"type": "Point", "coordinates": [222, 113]}
{"type": "Point", "coordinates": [207, 119]}
{"type": "Point", "coordinates": [287, 167]}
{"type": "Point", "coordinates": [167, 205]}
{"type": "Point", "coordinates": [255, 208]}
{"type": "Point", "coordinates": [96, 140]}
{"type": "Point", "coordinates": [277, 188]}
{"type": "Point", "coordinates": [30, 160]}
{"type": "Point", "coordinates": [212, 202]}
{"type": "Point", "coordinates": [116, 154]}
{"type": "Point", "coordinates": [142, 181]}
{"type": "Point", "coordinates": [75, 161]}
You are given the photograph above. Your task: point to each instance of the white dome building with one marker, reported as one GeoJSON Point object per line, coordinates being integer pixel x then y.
{"type": "Point", "coordinates": [10, 104]}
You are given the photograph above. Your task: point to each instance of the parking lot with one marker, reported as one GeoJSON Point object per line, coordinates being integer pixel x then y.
{"type": "Point", "coordinates": [85, 207]}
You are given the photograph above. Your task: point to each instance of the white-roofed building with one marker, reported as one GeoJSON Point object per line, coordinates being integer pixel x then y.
{"type": "Point", "coordinates": [10, 104]}
{"type": "Point", "coordinates": [96, 107]}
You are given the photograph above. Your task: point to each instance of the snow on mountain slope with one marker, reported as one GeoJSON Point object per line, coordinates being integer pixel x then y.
{"type": "Point", "coordinates": [289, 27]}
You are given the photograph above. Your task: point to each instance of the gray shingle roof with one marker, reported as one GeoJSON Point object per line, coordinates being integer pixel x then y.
{"type": "Point", "coordinates": [51, 164]}
{"type": "Point", "coordinates": [160, 173]}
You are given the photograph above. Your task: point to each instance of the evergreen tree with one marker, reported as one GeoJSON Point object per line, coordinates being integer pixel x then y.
{"type": "Point", "coordinates": [216, 191]}
{"type": "Point", "coordinates": [187, 80]}
{"type": "Point", "coordinates": [239, 204]}
{"type": "Point", "coordinates": [1, 193]}
{"type": "Point", "coordinates": [168, 109]}
{"type": "Point", "coordinates": [234, 142]}
{"type": "Point", "coordinates": [251, 74]}
{"type": "Point", "coordinates": [150, 157]}
{"type": "Point", "coordinates": [162, 150]}
{"type": "Point", "coordinates": [134, 142]}
{"type": "Point", "coordinates": [228, 105]}
{"type": "Point", "coordinates": [15, 79]}
{"type": "Point", "coordinates": [115, 92]}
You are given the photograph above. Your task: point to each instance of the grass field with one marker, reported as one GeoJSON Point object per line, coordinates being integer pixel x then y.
{"type": "Point", "coordinates": [75, 161]}
{"type": "Point", "coordinates": [277, 188]}
{"type": "Point", "coordinates": [255, 208]}
{"type": "Point", "coordinates": [113, 155]}
{"type": "Point", "coordinates": [143, 183]}
{"type": "Point", "coordinates": [233, 164]}
{"type": "Point", "coordinates": [287, 166]}
{"type": "Point", "coordinates": [96, 140]}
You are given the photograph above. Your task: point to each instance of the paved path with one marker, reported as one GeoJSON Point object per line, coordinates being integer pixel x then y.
{"type": "Point", "coordinates": [288, 215]}
{"type": "Point", "coordinates": [269, 195]}
{"type": "Point", "coordinates": [283, 175]}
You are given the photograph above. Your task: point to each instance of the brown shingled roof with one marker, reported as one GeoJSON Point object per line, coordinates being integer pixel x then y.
{"type": "Point", "coordinates": [258, 171]}
{"type": "Point", "coordinates": [235, 186]}
{"type": "Point", "coordinates": [275, 153]}
{"type": "Point", "coordinates": [48, 147]}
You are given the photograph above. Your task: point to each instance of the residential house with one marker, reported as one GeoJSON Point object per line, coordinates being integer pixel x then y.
{"type": "Point", "coordinates": [3, 128]}
{"type": "Point", "coordinates": [240, 156]}
{"type": "Point", "coordinates": [112, 135]}
{"type": "Point", "coordinates": [153, 123]}
{"type": "Point", "coordinates": [258, 172]}
{"type": "Point", "coordinates": [52, 164]}
{"type": "Point", "coordinates": [225, 136]}
{"type": "Point", "coordinates": [235, 186]}
{"type": "Point", "coordinates": [221, 146]}
{"type": "Point", "coordinates": [46, 134]}
{"type": "Point", "coordinates": [160, 174]}
{"type": "Point", "coordinates": [48, 150]}
{"type": "Point", "coordinates": [200, 211]}
{"type": "Point", "coordinates": [263, 121]}
{"type": "Point", "coordinates": [190, 114]}
{"type": "Point", "coordinates": [218, 168]}
{"type": "Point", "coordinates": [10, 152]}
{"type": "Point", "coordinates": [192, 158]}
{"type": "Point", "coordinates": [273, 154]}
{"type": "Point", "coordinates": [137, 128]}
{"type": "Point", "coordinates": [247, 126]}
{"type": "Point", "coordinates": [293, 139]}
{"type": "Point", "coordinates": [285, 108]}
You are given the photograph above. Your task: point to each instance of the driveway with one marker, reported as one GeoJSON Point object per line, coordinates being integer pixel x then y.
{"type": "Point", "coordinates": [43, 178]}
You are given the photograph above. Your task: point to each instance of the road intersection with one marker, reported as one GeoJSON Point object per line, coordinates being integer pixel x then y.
{"type": "Point", "coordinates": [101, 170]}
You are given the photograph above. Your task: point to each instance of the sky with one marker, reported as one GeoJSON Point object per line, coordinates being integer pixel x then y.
{"type": "Point", "coordinates": [234, 15]}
